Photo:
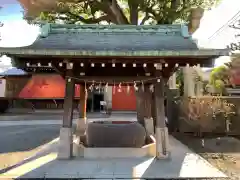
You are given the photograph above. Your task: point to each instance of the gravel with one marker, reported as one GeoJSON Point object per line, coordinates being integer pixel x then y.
{"type": "Point", "coordinates": [223, 153]}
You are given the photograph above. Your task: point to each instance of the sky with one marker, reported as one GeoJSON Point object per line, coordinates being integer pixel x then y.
{"type": "Point", "coordinates": [11, 10]}
{"type": "Point", "coordinates": [16, 32]}
{"type": "Point", "coordinates": [215, 20]}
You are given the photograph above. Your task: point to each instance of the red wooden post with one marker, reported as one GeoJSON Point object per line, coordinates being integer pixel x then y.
{"type": "Point", "coordinates": [81, 122]}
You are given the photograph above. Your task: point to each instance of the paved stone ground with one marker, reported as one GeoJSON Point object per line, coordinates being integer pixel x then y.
{"type": "Point", "coordinates": [183, 164]}
{"type": "Point", "coordinates": [223, 153]}
{"type": "Point", "coordinates": [27, 132]}
{"type": "Point", "coordinates": [23, 133]}
{"type": "Point", "coordinates": [29, 115]}
{"type": "Point", "coordinates": [20, 142]}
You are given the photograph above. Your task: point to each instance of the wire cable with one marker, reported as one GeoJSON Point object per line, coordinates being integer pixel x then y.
{"type": "Point", "coordinates": [232, 20]}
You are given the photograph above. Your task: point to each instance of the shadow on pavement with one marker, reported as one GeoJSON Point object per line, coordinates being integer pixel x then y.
{"type": "Point", "coordinates": [26, 138]}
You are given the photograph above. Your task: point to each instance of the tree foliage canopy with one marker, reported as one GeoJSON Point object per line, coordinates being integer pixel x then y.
{"type": "Point", "coordinates": [219, 78]}
{"type": "Point", "coordinates": [115, 11]}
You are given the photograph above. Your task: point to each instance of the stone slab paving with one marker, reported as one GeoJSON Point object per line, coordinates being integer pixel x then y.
{"type": "Point", "coordinates": [183, 164]}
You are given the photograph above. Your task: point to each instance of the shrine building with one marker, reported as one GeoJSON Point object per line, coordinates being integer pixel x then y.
{"type": "Point", "coordinates": [119, 58]}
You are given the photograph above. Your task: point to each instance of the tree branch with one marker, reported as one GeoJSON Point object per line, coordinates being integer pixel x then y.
{"type": "Point", "coordinates": [104, 7]}
{"type": "Point", "coordinates": [235, 25]}
{"type": "Point", "coordinates": [133, 7]}
{"type": "Point", "coordinates": [88, 20]}
{"type": "Point", "coordinates": [117, 11]}
{"type": "Point", "coordinates": [146, 17]}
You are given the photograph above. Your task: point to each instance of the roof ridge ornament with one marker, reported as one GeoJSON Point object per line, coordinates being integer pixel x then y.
{"type": "Point", "coordinates": [184, 31]}
{"type": "Point", "coordinates": [45, 30]}
{"type": "Point", "coordinates": [165, 29]}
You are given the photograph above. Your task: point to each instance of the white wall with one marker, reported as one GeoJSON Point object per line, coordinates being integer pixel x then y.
{"type": "Point", "coordinates": [2, 87]}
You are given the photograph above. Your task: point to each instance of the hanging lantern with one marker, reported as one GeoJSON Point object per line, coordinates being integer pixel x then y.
{"type": "Point", "coordinates": [106, 87]}
{"type": "Point", "coordinates": [128, 89]}
{"type": "Point", "coordinates": [142, 87]}
{"type": "Point", "coordinates": [99, 87]}
{"type": "Point", "coordinates": [91, 88]}
{"type": "Point", "coordinates": [114, 88]}
{"type": "Point", "coordinates": [85, 87]}
{"type": "Point", "coordinates": [135, 86]}
{"type": "Point", "coordinates": [151, 88]}
{"type": "Point", "coordinates": [120, 87]}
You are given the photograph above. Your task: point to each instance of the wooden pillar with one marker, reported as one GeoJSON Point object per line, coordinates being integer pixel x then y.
{"type": "Point", "coordinates": [66, 140]}
{"type": "Point", "coordinates": [161, 129]}
{"type": "Point", "coordinates": [147, 102]}
{"type": "Point", "coordinates": [172, 110]}
{"type": "Point", "coordinates": [161, 147]}
{"type": "Point", "coordinates": [143, 95]}
{"type": "Point", "coordinates": [83, 101]}
{"type": "Point", "coordinates": [189, 84]}
{"type": "Point", "coordinates": [171, 105]}
{"type": "Point", "coordinates": [153, 111]}
{"type": "Point", "coordinates": [199, 83]}
{"type": "Point", "coordinates": [92, 104]}
{"type": "Point", "coordinates": [140, 105]}
{"type": "Point", "coordinates": [172, 82]}
{"type": "Point", "coordinates": [148, 119]}
{"type": "Point", "coordinates": [81, 122]}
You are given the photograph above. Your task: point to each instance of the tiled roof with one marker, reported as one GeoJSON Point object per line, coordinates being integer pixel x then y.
{"type": "Point", "coordinates": [93, 39]}
{"type": "Point", "coordinates": [112, 39]}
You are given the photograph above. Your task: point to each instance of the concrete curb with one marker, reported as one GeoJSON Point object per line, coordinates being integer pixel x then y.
{"type": "Point", "coordinates": [59, 122]}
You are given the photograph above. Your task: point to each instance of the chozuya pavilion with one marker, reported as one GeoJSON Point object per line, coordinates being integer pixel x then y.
{"type": "Point", "coordinates": [97, 56]}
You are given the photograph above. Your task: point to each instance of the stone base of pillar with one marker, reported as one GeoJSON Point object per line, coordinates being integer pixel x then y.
{"type": "Point", "coordinates": [149, 126]}
{"type": "Point", "coordinates": [162, 143]}
{"type": "Point", "coordinates": [65, 144]}
{"type": "Point", "coordinates": [81, 126]}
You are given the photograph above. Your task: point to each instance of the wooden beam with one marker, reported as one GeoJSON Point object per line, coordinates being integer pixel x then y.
{"type": "Point", "coordinates": [114, 79]}
{"type": "Point", "coordinates": [108, 70]}
{"type": "Point", "coordinates": [182, 61]}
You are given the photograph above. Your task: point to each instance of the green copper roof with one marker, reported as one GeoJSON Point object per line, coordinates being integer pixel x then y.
{"type": "Point", "coordinates": [113, 40]}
